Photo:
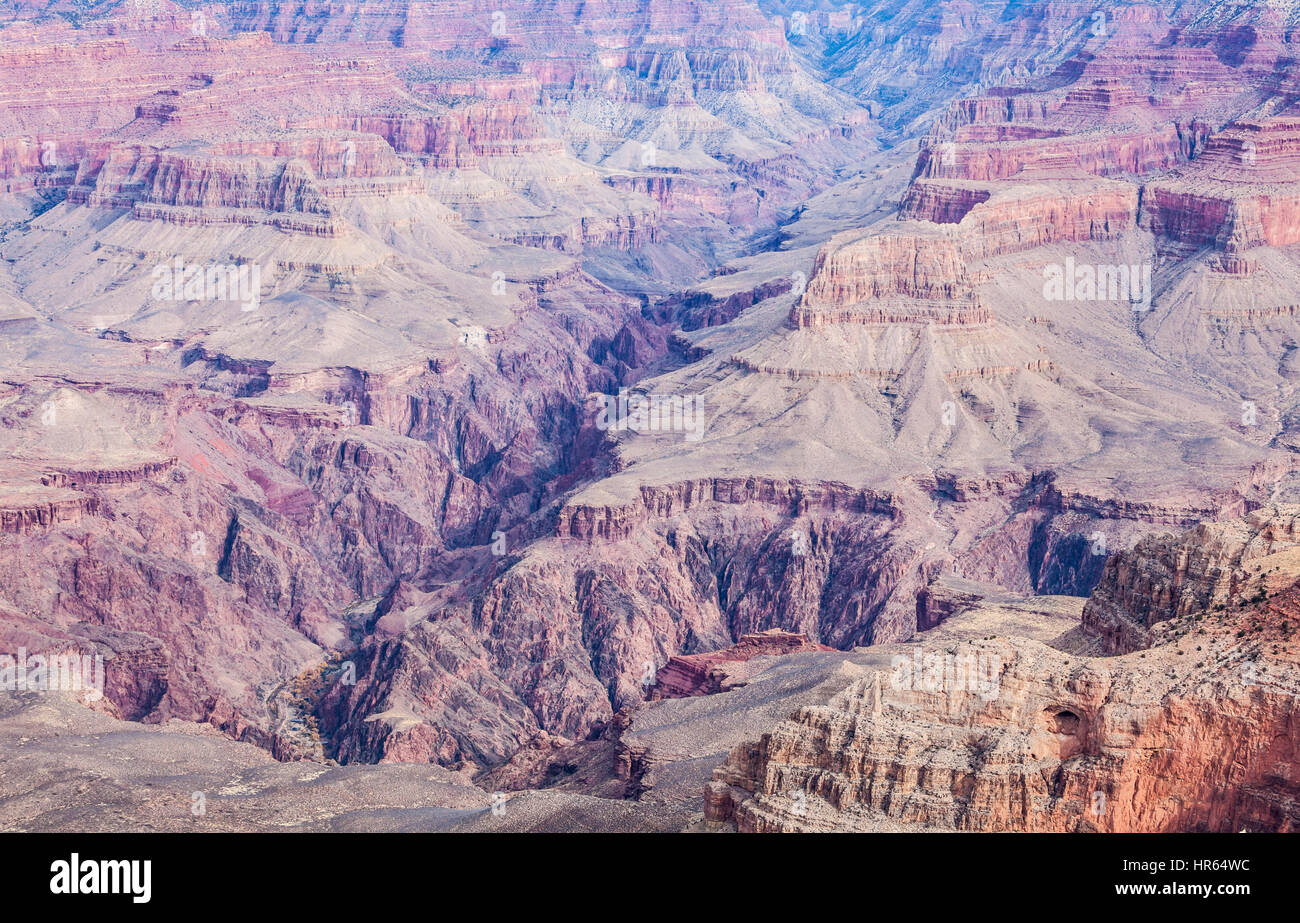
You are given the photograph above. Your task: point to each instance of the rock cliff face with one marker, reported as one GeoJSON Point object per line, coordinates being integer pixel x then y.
{"type": "Point", "coordinates": [1196, 732]}
{"type": "Point", "coordinates": [486, 138]}
{"type": "Point", "coordinates": [266, 518]}
{"type": "Point", "coordinates": [928, 263]}
{"type": "Point", "coordinates": [717, 671]}
{"type": "Point", "coordinates": [1219, 566]}
{"type": "Point", "coordinates": [1238, 195]}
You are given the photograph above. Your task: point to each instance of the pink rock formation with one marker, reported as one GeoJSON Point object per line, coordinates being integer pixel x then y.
{"type": "Point", "coordinates": [716, 671]}
{"type": "Point", "coordinates": [991, 735]}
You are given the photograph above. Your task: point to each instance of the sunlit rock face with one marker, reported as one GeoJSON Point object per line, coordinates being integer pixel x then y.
{"type": "Point", "coordinates": [985, 735]}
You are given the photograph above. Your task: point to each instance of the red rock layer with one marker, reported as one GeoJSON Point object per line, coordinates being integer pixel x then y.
{"type": "Point", "coordinates": [704, 674]}
{"type": "Point", "coordinates": [1242, 192]}
{"type": "Point", "coordinates": [1198, 732]}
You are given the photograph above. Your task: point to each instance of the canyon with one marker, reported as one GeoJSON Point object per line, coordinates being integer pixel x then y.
{"type": "Point", "coordinates": [543, 416]}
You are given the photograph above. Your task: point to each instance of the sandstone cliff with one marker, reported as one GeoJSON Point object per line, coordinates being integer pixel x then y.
{"type": "Point", "coordinates": [1196, 732]}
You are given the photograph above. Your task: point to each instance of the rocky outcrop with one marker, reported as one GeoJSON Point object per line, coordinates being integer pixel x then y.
{"type": "Point", "coordinates": [717, 671]}
{"type": "Point", "coordinates": [613, 523]}
{"type": "Point", "coordinates": [926, 270]}
{"type": "Point", "coordinates": [1016, 735]}
{"type": "Point", "coordinates": [1218, 566]}
{"type": "Point", "coordinates": [460, 137]}
{"type": "Point", "coordinates": [922, 263]}
{"type": "Point", "coordinates": [1239, 194]}
{"type": "Point", "coordinates": [297, 180]}
{"type": "Point", "coordinates": [695, 310]}
{"type": "Point", "coordinates": [920, 266]}
{"type": "Point", "coordinates": [941, 203]}
{"type": "Point", "coordinates": [108, 476]}
{"type": "Point", "coordinates": [22, 516]}
{"type": "Point", "coordinates": [1104, 154]}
